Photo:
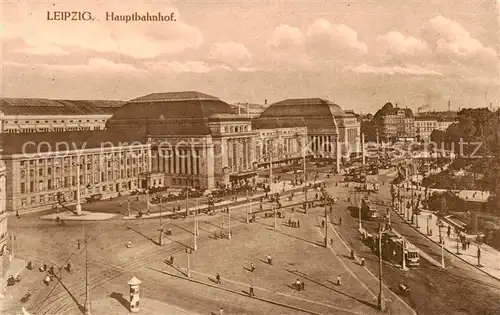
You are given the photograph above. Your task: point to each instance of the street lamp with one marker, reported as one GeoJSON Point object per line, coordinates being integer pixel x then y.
{"type": "Point", "coordinates": [160, 238]}
{"type": "Point", "coordinates": [360, 203]}
{"type": "Point", "coordinates": [78, 202]}
{"type": "Point", "coordinates": [458, 236]}
{"type": "Point", "coordinates": [275, 218]}
{"type": "Point", "coordinates": [442, 254]}
{"type": "Point", "coordinates": [229, 222]}
{"type": "Point", "coordinates": [381, 301]}
{"type": "Point", "coordinates": [326, 221]}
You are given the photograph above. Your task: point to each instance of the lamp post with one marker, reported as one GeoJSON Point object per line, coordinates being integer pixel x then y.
{"type": "Point", "coordinates": [381, 301]}
{"type": "Point", "coordinates": [187, 200]}
{"type": "Point", "coordinates": [87, 306]}
{"type": "Point", "coordinates": [326, 223]}
{"type": "Point", "coordinates": [442, 254]}
{"type": "Point", "coordinates": [275, 218]}
{"type": "Point", "coordinates": [246, 208]}
{"type": "Point", "coordinates": [160, 237]}
{"type": "Point", "coordinates": [458, 236]}
{"type": "Point", "coordinates": [195, 228]}
{"type": "Point", "coordinates": [478, 255]}
{"type": "Point", "coordinates": [188, 252]}
{"type": "Point", "coordinates": [229, 222]}
{"type": "Point", "coordinates": [128, 206]}
{"type": "Point", "coordinates": [271, 170]}
{"type": "Point", "coordinates": [360, 203]}
{"type": "Point", "coordinates": [148, 206]}
{"type": "Point", "coordinates": [404, 256]}
{"type": "Point", "coordinates": [428, 227]}
{"type": "Point", "coordinates": [78, 202]}
{"type": "Point", "coordinates": [197, 216]}
{"type": "Point", "coordinates": [305, 174]}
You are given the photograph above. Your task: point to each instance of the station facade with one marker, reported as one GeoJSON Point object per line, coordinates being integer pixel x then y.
{"type": "Point", "coordinates": [180, 139]}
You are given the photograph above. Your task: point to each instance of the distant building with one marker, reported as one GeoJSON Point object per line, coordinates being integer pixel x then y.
{"type": "Point", "coordinates": [444, 123]}
{"type": "Point", "coordinates": [25, 115]}
{"type": "Point", "coordinates": [250, 110]}
{"type": "Point", "coordinates": [398, 123]}
{"type": "Point", "coordinates": [424, 126]}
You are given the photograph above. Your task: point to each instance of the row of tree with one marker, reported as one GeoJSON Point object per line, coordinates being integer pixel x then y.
{"type": "Point", "coordinates": [475, 139]}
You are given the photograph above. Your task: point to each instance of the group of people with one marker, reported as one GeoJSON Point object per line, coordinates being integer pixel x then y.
{"type": "Point", "coordinates": [293, 223]}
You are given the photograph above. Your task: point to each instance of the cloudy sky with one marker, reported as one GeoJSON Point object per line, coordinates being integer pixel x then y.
{"type": "Point", "coordinates": [358, 54]}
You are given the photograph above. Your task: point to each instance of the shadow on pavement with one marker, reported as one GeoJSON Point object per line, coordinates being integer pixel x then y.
{"type": "Point", "coordinates": [119, 297]}
{"type": "Point", "coordinates": [181, 228]}
{"type": "Point", "coordinates": [298, 238]}
{"type": "Point", "coordinates": [141, 234]}
{"type": "Point", "coordinates": [325, 286]}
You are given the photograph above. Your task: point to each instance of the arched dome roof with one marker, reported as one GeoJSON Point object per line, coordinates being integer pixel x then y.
{"type": "Point", "coordinates": [170, 113]}
{"type": "Point", "coordinates": [302, 108]}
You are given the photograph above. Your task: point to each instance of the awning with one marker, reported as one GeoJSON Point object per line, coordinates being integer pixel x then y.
{"type": "Point", "coordinates": [242, 176]}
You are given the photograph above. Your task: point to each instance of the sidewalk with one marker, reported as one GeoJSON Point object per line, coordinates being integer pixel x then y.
{"type": "Point", "coordinates": [86, 216]}
{"type": "Point", "coordinates": [469, 195]}
{"type": "Point", "coordinates": [490, 257]}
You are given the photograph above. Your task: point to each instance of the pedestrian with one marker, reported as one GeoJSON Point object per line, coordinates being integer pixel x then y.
{"type": "Point", "coordinates": [322, 223]}
{"type": "Point", "coordinates": [298, 284]}
{"type": "Point", "coordinates": [298, 223]}
{"type": "Point", "coordinates": [303, 286]}
{"type": "Point", "coordinates": [449, 231]}
{"type": "Point", "coordinates": [339, 283]}
{"type": "Point", "coordinates": [68, 267]}
{"type": "Point", "coordinates": [221, 311]}
{"type": "Point", "coordinates": [289, 221]}
{"type": "Point", "coordinates": [217, 279]}
{"type": "Point", "coordinates": [340, 221]}
{"type": "Point", "coordinates": [78, 244]}
{"type": "Point", "coordinates": [252, 267]}
{"type": "Point", "coordinates": [269, 259]}
{"type": "Point", "coordinates": [252, 292]}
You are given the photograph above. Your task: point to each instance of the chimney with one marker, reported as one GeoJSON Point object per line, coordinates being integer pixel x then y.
{"type": "Point", "coordinates": [248, 110]}
{"type": "Point", "coordinates": [449, 105]}
{"type": "Point", "coordinates": [265, 101]}
{"type": "Point", "coordinates": [239, 109]}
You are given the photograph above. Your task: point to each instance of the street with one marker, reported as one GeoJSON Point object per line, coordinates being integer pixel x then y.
{"type": "Point", "coordinates": [298, 253]}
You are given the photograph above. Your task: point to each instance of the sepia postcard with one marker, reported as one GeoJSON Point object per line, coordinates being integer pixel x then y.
{"type": "Point", "coordinates": [214, 157]}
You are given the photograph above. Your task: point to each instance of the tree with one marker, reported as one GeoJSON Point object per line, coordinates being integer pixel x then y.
{"type": "Point", "coordinates": [438, 136]}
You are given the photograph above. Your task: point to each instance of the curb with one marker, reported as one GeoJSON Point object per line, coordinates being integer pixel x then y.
{"type": "Point", "coordinates": [427, 237]}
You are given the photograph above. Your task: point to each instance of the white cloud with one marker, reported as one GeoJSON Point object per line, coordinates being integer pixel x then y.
{"type": "Point", "coordinates": [245, 69]}
{"type": "Point", "coordinates": [398, 44]}
{"type": "Point", "coordinates": [97, 65]}
{"type": "Point", "coordinates": [186, 67]}
{"type": "Point", "coordinates": [286, 36]}
{"type": "Point", "coordinates": [324, 34]}
{"type": "Point", "coordinates": [43, 50]}
{"type": "Point", "coordinates": [452, 40]}
{"type": "Point", "coordinates": [139, 40]}
{"type": "Point", "coordinates": [395, 70]}
{"type": "Point", "coordinates": [232, 54]}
